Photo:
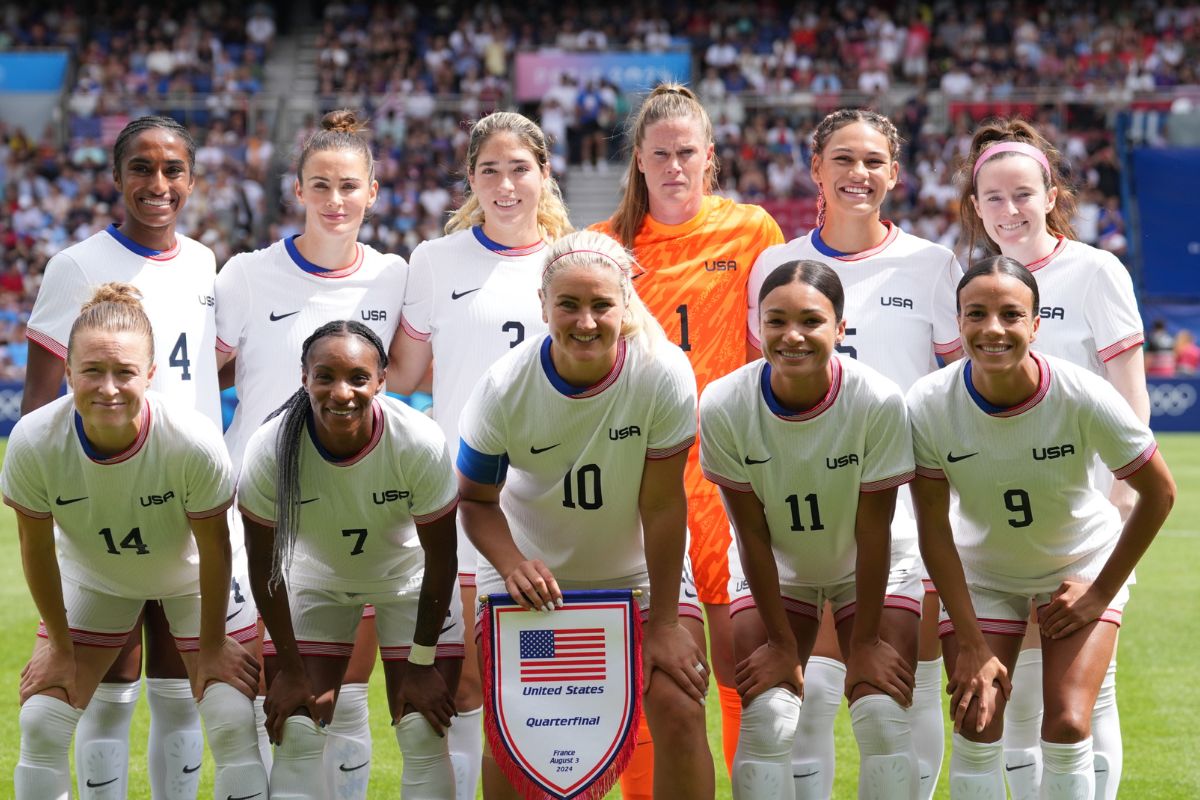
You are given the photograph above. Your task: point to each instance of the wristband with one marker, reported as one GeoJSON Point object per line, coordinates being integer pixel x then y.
{"type": "Point", "coordinates": [422, 654]}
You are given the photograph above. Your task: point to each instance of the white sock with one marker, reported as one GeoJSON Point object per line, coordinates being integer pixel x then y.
{"type": "Point", "coordinates": [928, 728]}
{"type": "Point", "coordinates": [466, 752]}
{"type": "Point", "coordinates": [427, 772]}
{"type": "Point", "coordinates": [348, 744]}
{"type": "Point", "coordinates": [1023, 727]}
{"type": "Point", "coordinates": [229, 721]}
{"type": "Point", "coordinates": [889, 769]}
{"type": "Point", "coordinates": [176, 746]}
{"type": "Point", "coordinates": [976, 769]}
{"type": "Point", "coordinates": [265, 751]}
{"type": "Point", "coordinates": [1068, 771]}
{"type": "Point", "coordinates": [1107, 747]}
{"type": "Point", "coordinates": [43, 770]}
{"type": "Point", "coordinates": [296, 773]}
{"type": "Point", "coordinates": [762, 765]}
{"type": "Point", "coordinates": [812, 753]}
{"type": "Point", "coordinates": [102, 741]}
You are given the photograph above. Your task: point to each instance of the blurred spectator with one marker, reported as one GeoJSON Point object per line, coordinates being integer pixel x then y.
{"type": "Point", "coordinates": [1160, 351]}
{"type": "Point", "coordinates": [1187, 353]}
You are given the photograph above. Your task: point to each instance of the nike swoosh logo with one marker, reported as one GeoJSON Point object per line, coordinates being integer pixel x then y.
{"type": "Point", "coordinates": [91, 785]}
{"type": "Point", "coordinates": [686, 593]}
{"type": "Point", "coordinates": [751, 461]}
{"type": "Point", "coordinates": [58, 501]}
{"type": "Point", "coordinates": [344, 768]}
{"type": "Point", "coordinates": [456, 295]}
{"type": "Point", "coordinates": [189, 770]}
{"type": "Point", "coordinates": [805, 775]}
{"type": "Point", "coordinates": [1007, 768]}
{"type": "Point", "coordinates": [448, 627]}
{"type": "Point", "coordinates": [275, 318]}
{"type": "Point", "coordinates": [309, 500]}
{"type": "Point", "coordinates": [245, 796]}
{"type": "Point", "coordinates": [535, 450]}
{"type": "Point", "coordinates": [231, 616]}
{"type": "Point", "coordinates": [953, 458]}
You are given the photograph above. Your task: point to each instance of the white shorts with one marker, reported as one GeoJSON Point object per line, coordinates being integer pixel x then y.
{"type": "Point", "coordinates": [1007, 613]}
{"type": "Point", "coordinates": [325, 622]}
{"type": "Point", "coordinates": [903, 591]}
{"type": "Point", "coordinates": [99, 619]}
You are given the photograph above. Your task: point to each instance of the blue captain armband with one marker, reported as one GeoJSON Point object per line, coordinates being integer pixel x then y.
{"type": "Point", "coordinates": [481, 467]}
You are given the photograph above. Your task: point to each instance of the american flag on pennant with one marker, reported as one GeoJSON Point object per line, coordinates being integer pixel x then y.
{"type": "Point", "coordinates": [569, 654]}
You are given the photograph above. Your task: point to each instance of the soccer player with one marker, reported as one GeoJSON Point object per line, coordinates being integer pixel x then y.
{"type": "Point", "coordinates": [120, 497]}
{"type": "Point", "coordinates": [696, 249]}
{"type": "Point", "coordinates": [899, 320]}
{"type": "Point", "coordinates": [342, 457]}
{"type": "Point", "coordinates": [471, 297]}
{"type": "Point", "coordinates": [809, 447]}
{"type": "Point", "coordinates": [153, 162]}
{"type": "Point", "coordinates": [571, 475]}
{"type": "Point", "coordinates": [268, 303]}
{"type": "Point", "coordinates": [1016, 202]}
{"type": "Point", "coordinates": [1014, 434]}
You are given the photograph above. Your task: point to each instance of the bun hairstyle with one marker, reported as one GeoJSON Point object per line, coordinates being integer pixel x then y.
{"type": "Point", "coordinates": [340, 130]}
{"type": "Point", "coordinates": [835, 121]}
{"type": "Point", "coordinates": [552, 218]}
{"type": "Point", "coordinates": [113, 308]}
{"type": "Point", "coordinates": [667, 101]}
{"type": "Point", "coordinates": [997, 131]}
{"type": "Point", "coordinates": [295, 411]}
{"type": "Point", "coordinates": [599, 251]}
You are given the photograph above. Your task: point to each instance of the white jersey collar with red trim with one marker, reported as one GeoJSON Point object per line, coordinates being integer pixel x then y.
{"type": "Point", "coordinates": [1020, 408]}
{"type": "Point", "coordinates": [825, 250]}
{"type": "Point", "coordinates": [575, 392]}
{"type": "Point", "coordinates": [321, 272]}
{"type": "Point", "coordinates": [126, 454]}
{"type": "Point", "coordinates": [145, 252]}
{"type": "Point", "coordinates": [823, 405]}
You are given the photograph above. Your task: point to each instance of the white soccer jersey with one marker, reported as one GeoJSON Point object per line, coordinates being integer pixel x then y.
{"type": "Point", "coordinates": [899, 300]}
{"type": "Point", "coordinates": [1028, 514]}
{"type": "Point", "coordinates": [121, 521]}
{"type": "Point", "coordinates": [575, 457]}
{"type": "Point", "coordinates": [807, 469]}
{"type": "Point", "coordinates": [357, 515]}
{"type": "Point", "coordinates": [271, 300]}
{"type": "Point", "coordinates": [1088, 311]}
{"type": "Point", "coordinates": [474, 300]}
{"type": "Point", "coordinates": [899, 312]}
{"type": "Point", "coordinates": [177, 294]}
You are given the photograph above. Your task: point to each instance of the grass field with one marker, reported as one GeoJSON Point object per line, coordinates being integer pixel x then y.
{"type": "Point", "coordinates": [1159, 695]}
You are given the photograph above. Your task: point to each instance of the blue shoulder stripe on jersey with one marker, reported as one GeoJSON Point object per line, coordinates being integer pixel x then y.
{"type": "Point", "coordinates": [130, 244]}
{"type": "Point", "coordinates": [825, 249]}
{"type": "Point", "coordinates": [977, 397]}
{"type": "Point", "coordinates": [300, 261]}
{"type": "Point", "coordinates": [481, 467]}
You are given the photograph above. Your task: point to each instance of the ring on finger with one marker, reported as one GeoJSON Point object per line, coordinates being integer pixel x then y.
{"type": "Point", "coordinates": [699, 667]}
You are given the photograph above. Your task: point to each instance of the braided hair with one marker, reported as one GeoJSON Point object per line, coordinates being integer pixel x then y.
{"type": "Point", "coordinates": [143, 124]}
{"type": "Point", "coordinates": [295, 411]}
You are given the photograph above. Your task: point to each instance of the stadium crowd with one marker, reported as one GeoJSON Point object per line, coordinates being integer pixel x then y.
{"type": "Point", "coordinates": [421, 73]}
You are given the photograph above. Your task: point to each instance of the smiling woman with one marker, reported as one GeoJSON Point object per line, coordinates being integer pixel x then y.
{"type": "Point", "coordinates": [153, 159]}
{"type": "Point", "coordinates": [270, 301]}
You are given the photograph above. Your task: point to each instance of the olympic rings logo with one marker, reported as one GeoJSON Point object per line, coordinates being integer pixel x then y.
{"type": "Point", "coordinates": [1172, 400]}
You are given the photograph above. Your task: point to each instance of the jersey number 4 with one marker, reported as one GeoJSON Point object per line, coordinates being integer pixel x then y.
{"type": "Point", "coordinates": [131, 542]}
{"type": "Point", "coordinates": [179, 357]}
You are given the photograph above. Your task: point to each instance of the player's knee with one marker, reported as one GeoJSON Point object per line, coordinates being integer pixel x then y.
{"type": "Point", "coordinates": [881, 726]}
{"type": "Point", "coordinates": [229, 721]}
{"type": "Point", "coordinates": [769, 723]}
{"type": "Point", "coordinates": [47, 725]}
{"type": "Point", "coordinates": [417, 738]}
{"type": "Point", "coordinates": [674, 717]}
{"type": "Point", "coordinates": [1067, 725]}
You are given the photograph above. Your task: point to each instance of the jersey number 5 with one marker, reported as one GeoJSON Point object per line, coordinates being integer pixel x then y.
{"type": "Point", "coordinates": [848, 349]}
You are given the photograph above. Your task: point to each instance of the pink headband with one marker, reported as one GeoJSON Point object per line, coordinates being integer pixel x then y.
{"type": "Point", "coordinates": [1011, 147]}
{"type": "Point", "coordinates": [605, 256]}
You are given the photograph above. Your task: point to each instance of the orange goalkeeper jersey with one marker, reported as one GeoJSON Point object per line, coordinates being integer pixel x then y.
{"type": "Point", "coordinates": [694, 284]}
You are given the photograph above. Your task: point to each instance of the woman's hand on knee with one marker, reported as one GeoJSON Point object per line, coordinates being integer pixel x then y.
{"type": "Point", "coordinates": [770, 665]}
{"type": "Point", "coordinates": [670, 648]}
{"type": "Point", "coordinates": [880, 665]}
{"type": "Point", "coordinates": [1072, 606]}
{"type": "Point", "coordinates": [230, 663]}
{"type": "Point", "coordinates": [424, 690]}
{"type": "Point", "coordinates": [290, 691]}
{"type": "Point", "coordinates": [978, 675]}
{"type": "Point", "coordinates": [49, 668]}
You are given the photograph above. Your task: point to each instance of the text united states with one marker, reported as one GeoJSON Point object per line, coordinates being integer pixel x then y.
{"type": "Point", "coordinates": [569, 654]}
